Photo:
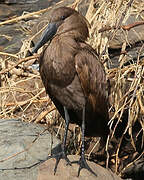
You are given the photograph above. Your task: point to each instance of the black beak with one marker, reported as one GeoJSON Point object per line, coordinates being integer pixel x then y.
{"type": "Point", "coordinates": [47, 35]}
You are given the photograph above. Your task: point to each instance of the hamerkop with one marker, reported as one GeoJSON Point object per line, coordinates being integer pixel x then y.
{"type": "Point", "coordinates": [74, 78]}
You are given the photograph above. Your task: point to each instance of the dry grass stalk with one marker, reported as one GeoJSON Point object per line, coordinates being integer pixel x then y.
{"type": "Point", "coordinates": [128, 90]}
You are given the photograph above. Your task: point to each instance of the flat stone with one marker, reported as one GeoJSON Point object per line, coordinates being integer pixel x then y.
{"type": "Point", "coordinates": [23, 145]}
{"type": "Point", "coordinates": [14, 34]}
{"type": "Point", "coordinates": [17, 136]}
{"type": "Point", "coordinates": [134, 41]}
{"type": "Point", "coordinates": [135, 170]}
{"type": "Point", "coordinates": [65, 172]}
{"type": "Point", "coordinates": [17, 7]}
{"type": "Point", "coordinates": [132, 36]}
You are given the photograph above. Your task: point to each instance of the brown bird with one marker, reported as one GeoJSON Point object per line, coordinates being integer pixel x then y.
{"type": "Point", "coordinates": [74, 78]}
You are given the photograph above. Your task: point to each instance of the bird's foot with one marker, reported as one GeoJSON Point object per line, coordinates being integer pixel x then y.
{"type": "Point", "coordinates": [58, 157]}
{"type": "Point", "coordinates": [83, 164]}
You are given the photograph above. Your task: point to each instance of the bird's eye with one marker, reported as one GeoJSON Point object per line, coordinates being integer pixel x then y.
{"type": "Point", "coordinates": [63, 17]}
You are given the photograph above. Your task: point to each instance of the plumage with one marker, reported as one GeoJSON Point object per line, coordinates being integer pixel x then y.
{"type": "Point", "coordinates": [72, 74]}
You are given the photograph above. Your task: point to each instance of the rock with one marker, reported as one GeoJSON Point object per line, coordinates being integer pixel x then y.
{"type": "Point", "coordinates": [135, 171]}
{"type": "Point", "coordinates": [15, 137]}
{"type": "Point", "coordinates": [17, 7]}
{"type": "Point", "coordinates": [11, 36]}
{"type": "Point", "coordinates": [132, 36]}
{"type": "Point", "coordinates": [65, 172]}
{"type": "Point", "coordinates": [134, 41]}
{"type": "Point", "coordinates": [14, 34]}
{"type": "Point", "coordinates": [20, 152]}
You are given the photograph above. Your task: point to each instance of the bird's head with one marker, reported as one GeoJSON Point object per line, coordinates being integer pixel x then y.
{"type": "Point", "coordinates": [64, 21]}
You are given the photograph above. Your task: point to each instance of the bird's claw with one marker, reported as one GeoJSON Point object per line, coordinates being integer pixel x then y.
{"type": "Point", "coordinates": [83, 164]}
{"type": "Point", "coordinates": [58, 157]}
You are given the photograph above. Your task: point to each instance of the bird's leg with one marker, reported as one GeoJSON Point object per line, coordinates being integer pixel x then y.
{"type": "Point", "coordinates": [62, 154]}
{"type": "Point", "coordinates": [82, 161]}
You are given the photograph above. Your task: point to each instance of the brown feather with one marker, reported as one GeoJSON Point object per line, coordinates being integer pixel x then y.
{"type": "Point", "coordinates": [73, 75]}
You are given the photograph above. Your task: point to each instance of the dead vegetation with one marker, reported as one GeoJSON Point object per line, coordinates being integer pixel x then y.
{"type": "Point", "coordinates": [22, 94]}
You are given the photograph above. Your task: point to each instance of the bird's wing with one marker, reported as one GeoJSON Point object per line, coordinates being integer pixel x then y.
{"type": "Point", "coordinates": [92, 78]}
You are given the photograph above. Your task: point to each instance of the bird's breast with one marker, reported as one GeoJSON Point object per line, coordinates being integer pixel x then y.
{"type": "Point", "coordinates": [70, 96]}
{"type": "Point", "coordinates": [57, 64]}
{"type": "Point", "coordinates": [58, 73]}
